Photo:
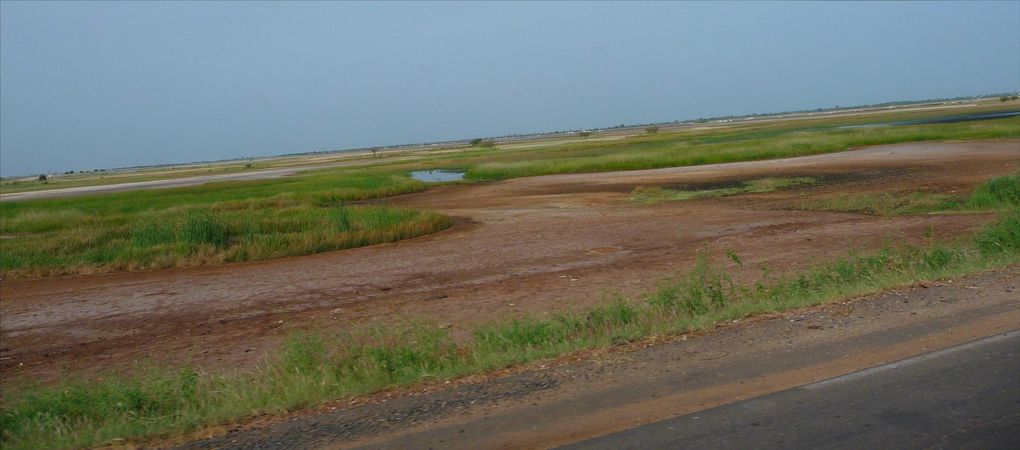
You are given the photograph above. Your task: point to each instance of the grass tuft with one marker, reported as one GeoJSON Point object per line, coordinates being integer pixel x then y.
{"type": "Point", "coordinates": [884, 203]}
{"type": "Point", "coordinates": [996, 194]}
{"type": "Point", "coordinates": [203, 228]}
{"type": "Point", "coordinates": [1001, 237]}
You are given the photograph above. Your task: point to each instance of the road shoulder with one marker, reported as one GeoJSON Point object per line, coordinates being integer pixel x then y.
{"type": "Point", "coordinates": [635, 385]}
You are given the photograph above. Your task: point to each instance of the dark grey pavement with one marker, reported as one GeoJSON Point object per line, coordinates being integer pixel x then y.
{"type": "Point", "coordinates": [962, 397]}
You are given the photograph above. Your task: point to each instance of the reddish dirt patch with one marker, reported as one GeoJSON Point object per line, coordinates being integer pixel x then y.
{"type": "Point", "coordinates": [529, 245]}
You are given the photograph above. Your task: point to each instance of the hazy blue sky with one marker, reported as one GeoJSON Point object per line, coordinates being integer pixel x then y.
{"type": "Point", "coordinates": [86, 85]}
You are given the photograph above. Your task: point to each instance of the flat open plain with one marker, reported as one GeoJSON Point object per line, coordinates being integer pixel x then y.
{"type": "Point", "coordinates": [526, 245]}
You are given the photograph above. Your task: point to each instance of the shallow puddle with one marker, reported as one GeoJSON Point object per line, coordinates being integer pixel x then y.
{"type": "Point", "coordinates": [437, 175]}
{"type": "Point", "coordinates": [934, 120]}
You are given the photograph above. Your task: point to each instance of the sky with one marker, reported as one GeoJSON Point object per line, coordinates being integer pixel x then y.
{"type": "Point", "coordinates": [104, 85]}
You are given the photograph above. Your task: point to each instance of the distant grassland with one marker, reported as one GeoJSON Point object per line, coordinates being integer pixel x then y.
{"type": "Point", "coordinates": [60, 181]}
{"type": "Point", "coordinates": [688, 149]}
{"type": "Point", "coordinates": [297, 215]}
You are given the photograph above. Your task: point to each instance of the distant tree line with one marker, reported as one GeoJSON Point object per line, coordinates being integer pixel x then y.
{"type": "Point", "coordinates": [484, 143]}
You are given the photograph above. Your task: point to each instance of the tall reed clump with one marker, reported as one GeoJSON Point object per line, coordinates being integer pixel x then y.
{"type": "Point", "coordinates": [312, 368]}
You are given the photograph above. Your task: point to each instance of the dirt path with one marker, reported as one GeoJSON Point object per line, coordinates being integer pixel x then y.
{"type": "Point", "coordinates": [618, 390]}
{"type": "Point", "coordinates": [526, 245]}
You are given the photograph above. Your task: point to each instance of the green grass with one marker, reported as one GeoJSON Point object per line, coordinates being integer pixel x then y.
{"type": "Point", "coordinates": [312, 368]}
{"type": "Point", "coordinates": [1001, 237]}
{"type": "Point", "coordinates": [996, 194]}
{"type": "Point", "coordinates": [885, 203]}
{"type": "Point", "coordinates": [210, 224]}
{"type": "Point", "coordinates": [649, 195]}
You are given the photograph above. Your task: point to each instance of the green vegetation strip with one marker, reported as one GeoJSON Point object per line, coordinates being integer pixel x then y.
{"type": "Point", "coordinates": [696, 148]}
{"type": "Point", "coordinates": [313, 368]}
{"type": "Point", "coordinates": [648, 195]}
{"type": "Point", "coordinates": [1001, 193]}
{"type": "Point", "coordinates": [216, 223]}
{"type": "Point", "coordinates": [998, 194]}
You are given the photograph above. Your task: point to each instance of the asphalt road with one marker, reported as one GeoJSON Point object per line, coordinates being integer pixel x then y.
{"type": "Point", "coordinates": [962, 397]}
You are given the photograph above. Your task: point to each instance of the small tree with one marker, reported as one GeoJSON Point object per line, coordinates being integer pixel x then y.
{"type": "Point", "coordinates": [652, 129]}
{"type": "Point", "coordinates": [42, 177]}
{"type": "Point", "coordinates": [584, 134]}
{"type": "Point", "coordinates": [1004, 99]}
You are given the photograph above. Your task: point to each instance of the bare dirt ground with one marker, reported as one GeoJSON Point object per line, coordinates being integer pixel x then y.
{"type": "Point", "coordinates": [528, 245]}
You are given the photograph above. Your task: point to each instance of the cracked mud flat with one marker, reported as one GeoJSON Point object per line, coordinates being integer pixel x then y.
{"type": "Point", "coordinates": [528, 245]}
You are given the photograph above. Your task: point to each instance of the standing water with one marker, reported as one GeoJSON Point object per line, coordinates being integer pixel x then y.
{"type": "Point", "coordinates": [437, 175]}
{"type": "Point", "coordinates": [943, 119]}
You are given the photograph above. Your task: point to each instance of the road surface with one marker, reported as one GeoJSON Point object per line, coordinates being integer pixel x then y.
{"type": "Point", "coordinates": [967, 396]}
